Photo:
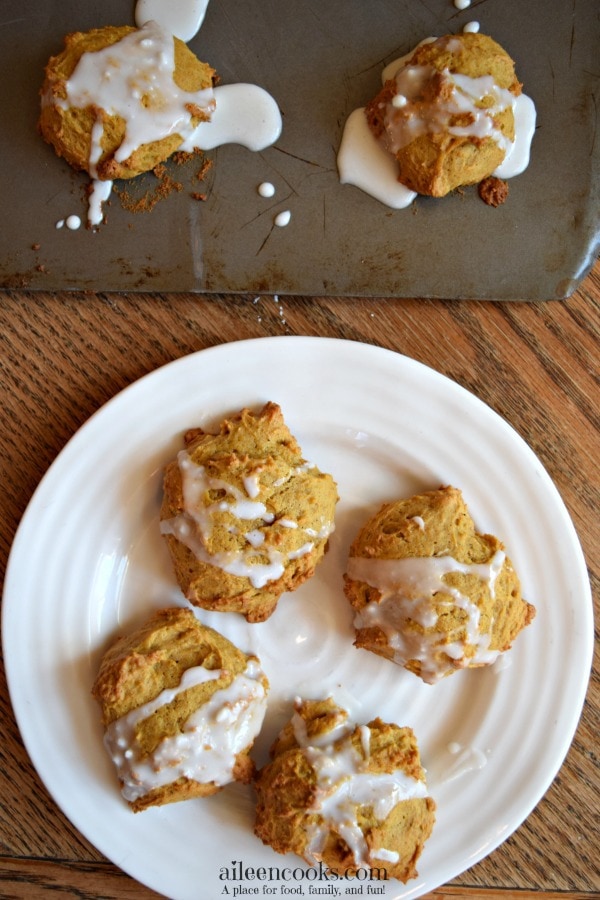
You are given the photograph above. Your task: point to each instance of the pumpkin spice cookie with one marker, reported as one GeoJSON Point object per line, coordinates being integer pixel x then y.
{"type": "Point", "coordinates": [181, 707]}
{"type": "Point", "coordinates": [429, 592]}
{"type": "Point", "coordinates": [117, 101]}
{"type": "Point", "coordinates": [349, 796]}
{"type": "Point", "coordinates": [447, 115]}
{"type": "Point", "coordinates": [245, 516]}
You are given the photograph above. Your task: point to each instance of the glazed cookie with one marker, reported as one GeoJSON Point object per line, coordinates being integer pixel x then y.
{"type": "Point", "coordinates": [447, 115]}
{"type": "Point", "coordinates": [349, 796]}
{"type": "Point", "coordinates": [428, 591]}
{"type": "Point", "coordinates": [245, 516]}
{"type": "Point", "coordinates": [117, 101]}
{"type": "Point", "coordinates": [181, 707]}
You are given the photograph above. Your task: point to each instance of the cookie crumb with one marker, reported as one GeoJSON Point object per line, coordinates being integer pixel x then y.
{"type": "Point", "coordinates": [493, 191]}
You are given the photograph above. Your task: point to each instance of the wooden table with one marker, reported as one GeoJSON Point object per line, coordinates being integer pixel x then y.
{"type": "Point", "coordinates": [64, 355]}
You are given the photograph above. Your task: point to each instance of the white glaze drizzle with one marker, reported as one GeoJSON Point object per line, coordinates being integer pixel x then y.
{"type": "Point", "coordinates": [252, 484]}
{"type": "Point", "coordinates": [194, 526]}
{"type": "Point", "coordinates": [206, 748]}
{"type": "Point", "coordinates": [344, 783]}
{"type": "Point", "coordinates": [405, 124]}
{"type": "Point", "coordinates": [391, 856]}
{"type": "Point", "coordinates": [407, 587]}
{"type": "Point", "coordinates": [99, 194]}
{"type": "Point", "coordinates": [466, 759]}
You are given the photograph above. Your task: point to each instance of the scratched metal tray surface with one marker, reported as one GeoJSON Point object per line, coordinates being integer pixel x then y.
{"type": "Point", "coordinates": [320, 60]}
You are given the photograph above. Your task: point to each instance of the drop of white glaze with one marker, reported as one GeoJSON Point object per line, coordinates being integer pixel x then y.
{"type": "Point", "coordinates": [266, 189]}
{"type": "Point", "coordinates": [471, 28]}
{"type": "Point", "coordinates": [98, 195]}
{"type": "Point", "coordinates": [283, 218]}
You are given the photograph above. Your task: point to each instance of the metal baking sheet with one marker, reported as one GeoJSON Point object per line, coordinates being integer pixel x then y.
{"type": "Point", "coordinates": [320, 60]}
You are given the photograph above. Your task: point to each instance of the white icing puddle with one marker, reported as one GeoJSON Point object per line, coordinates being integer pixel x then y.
{"type": "Point", "coordinates": [245, 114]}
{"type": "Point", "coordinates": [183, 18]}
{"type": "Point", "coordinates": [363, 162]}
{"type": "Point", "coordinates": [466, 759]}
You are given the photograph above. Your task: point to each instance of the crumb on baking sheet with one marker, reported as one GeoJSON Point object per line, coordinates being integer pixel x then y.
{"type": "Point", "coordinates": [493, 191]}
{"type": "Point", "coordinates": [164, 188]}
{"type": "Point", "coordinates": [166, 185]}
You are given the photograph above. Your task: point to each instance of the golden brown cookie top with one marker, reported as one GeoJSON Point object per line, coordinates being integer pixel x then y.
{"type": "Point", "coordinates": [473, 54]}
{"type": "Point", "coordinates": [139, 665]}
{"type": "Point", "coordinates": [434, 523]}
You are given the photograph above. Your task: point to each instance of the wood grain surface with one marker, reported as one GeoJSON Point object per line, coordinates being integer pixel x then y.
{"type": "Point", "coordinates": [63, 355]}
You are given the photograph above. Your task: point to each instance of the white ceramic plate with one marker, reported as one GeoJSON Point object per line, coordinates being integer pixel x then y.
{"type": "Point", "coordinates": [88, 563]}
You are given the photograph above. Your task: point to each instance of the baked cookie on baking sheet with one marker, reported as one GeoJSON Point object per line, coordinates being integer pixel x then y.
{"type": "Point", "coordinates": [447, 115]}
{"type": "Point", "coordinates": [118, 100]}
